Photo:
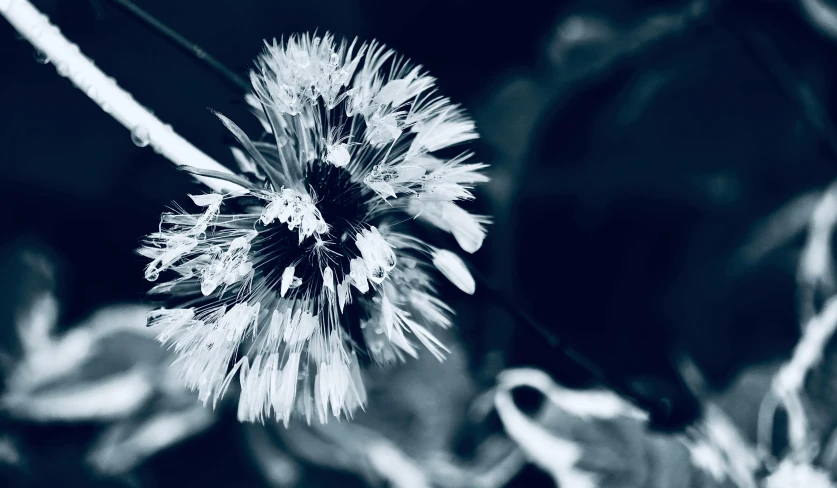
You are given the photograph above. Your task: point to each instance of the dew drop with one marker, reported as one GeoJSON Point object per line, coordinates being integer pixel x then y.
{"type": "Point", "coordinates": [140, 137]}
{"type": "Point", "coordinates": [106, 107]}
{"type": "Point", "coordinates": [40, 57]}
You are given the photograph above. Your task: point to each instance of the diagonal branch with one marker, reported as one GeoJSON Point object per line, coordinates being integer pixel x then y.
{"type": "Point", "coordinates": [146, 129]}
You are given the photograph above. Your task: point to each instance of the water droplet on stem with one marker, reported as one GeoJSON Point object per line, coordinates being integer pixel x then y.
{"type": "Point", "coordinates": [40, 57]}
{"type": "Point", "coordinates": [140, 137]}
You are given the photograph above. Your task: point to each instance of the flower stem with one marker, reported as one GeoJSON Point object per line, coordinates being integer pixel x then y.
{"type": "Point", "coordinates": [659, 410]}
{"type": "Point", "coordinates": [146, 129]}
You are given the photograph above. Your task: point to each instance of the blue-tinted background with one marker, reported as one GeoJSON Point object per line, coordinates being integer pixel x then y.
{"type": "Point", "coordinates": [634, 146]}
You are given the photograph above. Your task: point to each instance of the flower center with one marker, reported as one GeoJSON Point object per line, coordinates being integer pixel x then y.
{"type": "Point", "coordinates": [340, 202]}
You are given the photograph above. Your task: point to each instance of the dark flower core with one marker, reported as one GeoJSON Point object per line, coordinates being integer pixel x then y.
{"type": "Point", "coordinates": [342, 205]}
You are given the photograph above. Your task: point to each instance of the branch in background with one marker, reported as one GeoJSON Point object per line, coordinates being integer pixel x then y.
{"type": "Point", "coordinates": [146, 129]}
{"type": "Point", "coordinates": [233, 80]}
{"type": "Point", "coordinates": [660, 410]}
{"type": "Point", "coordinates": [640, 39]}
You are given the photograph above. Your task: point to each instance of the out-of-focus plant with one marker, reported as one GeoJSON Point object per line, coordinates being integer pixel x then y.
{"type": "Point", "coordinates": [802, 388]}
{"type": "Point", "coordinates": [596, 439]}
{"type": "Point", "coordinates": [107, 370]}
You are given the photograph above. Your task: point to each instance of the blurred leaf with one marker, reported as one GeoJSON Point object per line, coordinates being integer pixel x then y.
{"type": "Point", "coordinates": [9, 452]}
{"type": "Point", "coordinates": [88, 373]}
{"type": "Point", "coordinates": [106, 369]}
{"type": "Point", "coordinates": [595, 439]}
{"type": "Point", "coordinates": [276, 466]}
{"type": "Point", "coordinates": [28, 278]}
{"type": "Point", "coordinates": [126, 444]}
{"type": "Point", "coordinates": [112, 398]}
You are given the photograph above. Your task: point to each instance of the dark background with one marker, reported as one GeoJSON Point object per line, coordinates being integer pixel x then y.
{"type": "Point", "coordinates": [635, 146]}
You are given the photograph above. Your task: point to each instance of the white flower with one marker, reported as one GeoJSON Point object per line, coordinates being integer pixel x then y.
{"type": "Point", "coordinates": [311, 270]}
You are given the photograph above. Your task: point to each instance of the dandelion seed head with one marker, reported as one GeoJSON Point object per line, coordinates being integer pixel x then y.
{"type": "Point", "coordinates": [311, 270]}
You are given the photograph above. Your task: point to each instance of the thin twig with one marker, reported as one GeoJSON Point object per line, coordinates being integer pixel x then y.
{"type": "Point", "coordinates": [233, 80]}
{"type": "Point", "coordinates": [543, 332]}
